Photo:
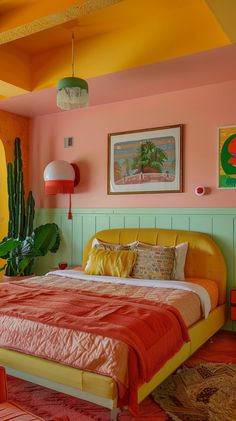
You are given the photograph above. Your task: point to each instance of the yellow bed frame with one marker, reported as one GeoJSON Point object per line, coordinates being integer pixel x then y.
{"type": "Point", "coordinates": [204, 260]}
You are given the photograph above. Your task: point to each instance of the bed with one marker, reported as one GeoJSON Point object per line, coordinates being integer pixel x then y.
{"type": "Point", "coordinates": [204, 260]}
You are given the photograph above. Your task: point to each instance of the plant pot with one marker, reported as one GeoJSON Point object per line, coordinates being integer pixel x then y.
{"type": "Point", "coordinates": [16, 278]}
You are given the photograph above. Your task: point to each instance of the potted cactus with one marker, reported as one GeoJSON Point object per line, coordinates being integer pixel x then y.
{"type": "Point", "coordinates": [24, 243]}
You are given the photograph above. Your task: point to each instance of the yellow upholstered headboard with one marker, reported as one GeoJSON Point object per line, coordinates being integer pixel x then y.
{"type": "Point", "coordinates": [204, 258]}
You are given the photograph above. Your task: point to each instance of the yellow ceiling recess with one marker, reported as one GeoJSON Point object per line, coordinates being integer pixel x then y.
{"type": "Point", "coordinates": [111, 35]}
{"type": "Point", "coordinates": [7, 89]}
{"type": "Point", "coordinates": [225, 12]}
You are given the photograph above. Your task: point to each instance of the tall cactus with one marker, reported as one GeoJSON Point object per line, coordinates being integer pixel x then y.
{"type": "Point", "coordinates": [11, 201]}
{"type": "Point", "coordinates": [20, 217]}
{"type": "Point", "coordinates": [24, 243]}
{"type": "Point", "coordinates": [29, 215]}
{"type": "Point", "coordinates": [19, 191]}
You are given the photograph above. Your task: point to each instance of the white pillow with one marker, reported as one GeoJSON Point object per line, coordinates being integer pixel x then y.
{"type": "Point", "coordinates": [180, 256]}
{"type": "Point", "coordinates": [110, 246]}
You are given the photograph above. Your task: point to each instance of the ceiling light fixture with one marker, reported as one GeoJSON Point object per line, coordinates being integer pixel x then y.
{"type": "Point", "coordinates": [72, 92]}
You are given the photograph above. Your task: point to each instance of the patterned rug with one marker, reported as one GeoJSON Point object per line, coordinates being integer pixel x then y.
{"type": "Point", "coordinates": [55, 406]}
{"type": "Point", "coordinates": [206, 392]}
{"type": "Point", "coordinates": [215, 405]}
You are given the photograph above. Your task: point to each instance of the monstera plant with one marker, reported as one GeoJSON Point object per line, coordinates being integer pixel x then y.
{"type": "Point", "coordinates": [24, 243]}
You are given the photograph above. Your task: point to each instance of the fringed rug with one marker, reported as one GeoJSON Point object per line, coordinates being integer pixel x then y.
{"type": "Point", "coordinates": [206, 392]}
{"type": "Point", "coordinates": [55, 406]}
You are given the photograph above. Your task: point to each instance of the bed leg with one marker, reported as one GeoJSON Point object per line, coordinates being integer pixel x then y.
{"type": "Point", "coordinates": [114, 414]}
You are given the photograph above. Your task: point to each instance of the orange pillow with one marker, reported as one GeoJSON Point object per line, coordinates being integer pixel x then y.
{"type": "Point", "coordinates": [210, 286]}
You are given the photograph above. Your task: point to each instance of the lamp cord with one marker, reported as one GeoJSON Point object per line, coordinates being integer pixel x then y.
{"type": "Point", "coordinates": [69, 211]}
{"type": "Point", "coordinates": [72, 52]}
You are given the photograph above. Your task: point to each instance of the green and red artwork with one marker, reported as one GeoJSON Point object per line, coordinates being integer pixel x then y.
{"type": "Point", "coordinates": [227, 157]}
{"type": "Point", "coordinates": [145, 161]}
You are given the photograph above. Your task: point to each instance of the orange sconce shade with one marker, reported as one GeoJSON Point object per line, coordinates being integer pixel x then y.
{"type": "Point", "coordinates": [59, 186]}
{"type": "Point", "coordinates": [60, 177]}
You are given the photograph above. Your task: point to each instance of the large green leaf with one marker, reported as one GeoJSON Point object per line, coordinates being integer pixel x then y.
{"type": "Point", "coordinates": [23, 264]}
{"type": "Point", "coordinates": [42, 240]}
{"type": "Point", "coordinates": [45, 238]}
{"type": "Point", "coordinates": [8, 245]}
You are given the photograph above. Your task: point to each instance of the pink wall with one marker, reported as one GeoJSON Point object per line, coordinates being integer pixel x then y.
{"type": "Point", "coordinates": [201, 110]}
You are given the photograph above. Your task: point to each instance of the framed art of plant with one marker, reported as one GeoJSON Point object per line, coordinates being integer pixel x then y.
{"type": "Point", "coordinates": [227, 157]}
{"type": "Point", "coordinates": [145, 161]}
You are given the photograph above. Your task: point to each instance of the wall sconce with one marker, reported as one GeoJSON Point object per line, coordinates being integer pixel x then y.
{"type": "Point", "coordinates": [61, 177]}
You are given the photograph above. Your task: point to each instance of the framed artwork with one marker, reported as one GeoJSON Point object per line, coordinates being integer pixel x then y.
{"type": "Point", "coordinates": [145, 161]}
{"type": "Point", "coordinates": [227, 157]}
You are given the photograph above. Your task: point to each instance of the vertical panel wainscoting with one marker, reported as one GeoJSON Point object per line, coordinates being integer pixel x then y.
{"type": "Point", "coordinates": [217, 222]}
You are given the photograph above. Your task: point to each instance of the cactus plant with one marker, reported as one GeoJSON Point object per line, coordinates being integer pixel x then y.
{"type": "Point", "coordinates": [24, 243]}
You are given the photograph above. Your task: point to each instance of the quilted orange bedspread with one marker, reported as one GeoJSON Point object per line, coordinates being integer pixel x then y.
{"type": "Point", "coordinates": [77, 323]}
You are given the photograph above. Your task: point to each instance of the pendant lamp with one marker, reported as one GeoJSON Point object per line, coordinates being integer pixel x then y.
{"type": "Point", "coordinates": [72, 92]}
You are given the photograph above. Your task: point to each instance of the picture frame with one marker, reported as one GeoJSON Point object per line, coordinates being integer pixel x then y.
{"type": "Point", "coordinates": [226, 157]}
{"type": "Point", "coordinates": [145, 161]}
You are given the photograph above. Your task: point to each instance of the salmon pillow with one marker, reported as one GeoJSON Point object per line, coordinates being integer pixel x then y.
{"type": "Point", "coordinates": [210, 286]}
{"type": "Point", "coordinates": [110, 262]}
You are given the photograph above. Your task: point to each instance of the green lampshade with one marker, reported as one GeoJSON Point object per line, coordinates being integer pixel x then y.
{"type": "Point", "coordinates": [72, 92]}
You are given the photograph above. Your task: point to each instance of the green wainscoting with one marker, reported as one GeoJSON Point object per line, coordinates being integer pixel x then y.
{"type": "Point", "coordinates": [220, 223]}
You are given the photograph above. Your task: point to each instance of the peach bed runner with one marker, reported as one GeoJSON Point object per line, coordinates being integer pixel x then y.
{"type": "Point", "coordinates": [152, 331]}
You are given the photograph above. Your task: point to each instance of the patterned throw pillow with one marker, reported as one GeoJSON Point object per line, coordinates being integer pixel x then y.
{"type": "Point", "coordinates": [180, 258]}
{"type": "Point", "coordinates": [154, 263]}
{"type": "Point", "coordinates": [110, 262]}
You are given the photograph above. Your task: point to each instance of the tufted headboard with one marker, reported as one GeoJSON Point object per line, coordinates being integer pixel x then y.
{"type": "Point", "coordinates": [204, 258]}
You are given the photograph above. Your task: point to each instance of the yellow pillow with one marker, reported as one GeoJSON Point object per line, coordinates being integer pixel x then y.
{"type": "Point", "coordinates": [110, 262]}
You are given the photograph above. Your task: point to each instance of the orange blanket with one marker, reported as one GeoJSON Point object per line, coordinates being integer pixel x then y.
{"type": "Point", "coordinates": [141, 324]}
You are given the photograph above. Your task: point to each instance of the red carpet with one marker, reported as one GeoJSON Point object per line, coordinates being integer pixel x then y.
{"type": "Point", "coordinates": [221, 348]}
{"type": "Point", "coordinates": [54, 406]}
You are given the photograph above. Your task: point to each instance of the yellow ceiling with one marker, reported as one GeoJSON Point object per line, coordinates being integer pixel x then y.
{"type": "Point", "coordinates": [111, 35]}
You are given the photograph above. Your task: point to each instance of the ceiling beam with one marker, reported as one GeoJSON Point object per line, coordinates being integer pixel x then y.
{"type": "Point", "coordinates": [45, 22]}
